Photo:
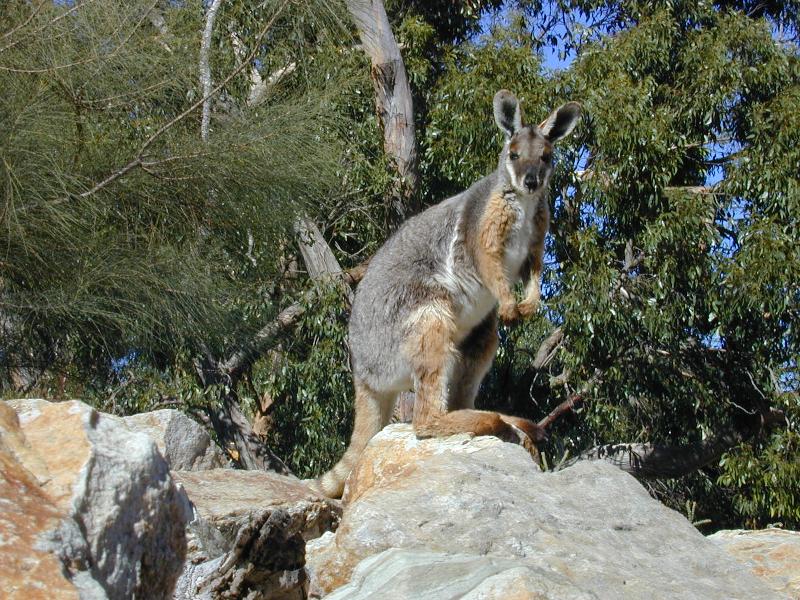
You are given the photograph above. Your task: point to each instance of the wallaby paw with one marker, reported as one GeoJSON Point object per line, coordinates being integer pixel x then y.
{"type": "Point", "coordinates": [508, 313]}
{"type": "Point", "coordinates": [515, 435]}
{"type": "Point", "coordinates": [525, 433]}
{"type": "Point", "coordinates": [527, 308]}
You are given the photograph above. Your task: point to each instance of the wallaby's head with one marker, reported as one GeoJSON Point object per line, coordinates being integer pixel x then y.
{"type": "Point", "coordinates": [527, 155]}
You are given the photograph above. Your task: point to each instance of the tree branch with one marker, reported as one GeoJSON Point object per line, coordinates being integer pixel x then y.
{"type": "Point", "coordinates": [205, 67]}
{"type": "Point", "coordinates": [650, 461]}
{"type": "Point", "coordinates": [234, 432]}
{"type": "Point", "coordinates": [262, 340]}
{"type": "Point", "coordinates": [547, 349]}
{"type": "Point", "coordinates": [572, 401]}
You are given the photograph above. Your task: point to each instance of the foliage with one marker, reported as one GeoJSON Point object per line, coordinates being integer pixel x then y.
{"type": "Point", "coordinates": [122, 230]}
{"type": "Point", "coordinates": [672, 268]}
{"type": "Point", "coordinates": [701, 329]}
{"type": "Point", "coordinates": [314, 365]}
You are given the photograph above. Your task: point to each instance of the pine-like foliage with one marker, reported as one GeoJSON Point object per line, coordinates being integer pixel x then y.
{"type": "Point", "coordinates": [122, 232]}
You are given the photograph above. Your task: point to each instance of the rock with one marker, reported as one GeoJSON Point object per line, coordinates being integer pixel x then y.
{"type": "Point", "coordinates": [402, 574]}
{"type": "Point", "coordinates": [249, 534]}
{"type": "Point", "coordinates": [115, 519]}
{"type": "Point", "coordinates": [185, 444]}
{"type": "Point", "coordinates": [228, 499]}
{"type": "Point", "coordinates": [589, 529]}
{"type": "Point", "coordinates": [773, 554]}
{"type": "Point", "coordinates": [25, 569]}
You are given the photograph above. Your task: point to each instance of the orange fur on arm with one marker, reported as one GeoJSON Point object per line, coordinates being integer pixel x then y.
{"type": "Point", "coordinates": [533, 291]}
{"type": "Point", "coordinates": [495, 226]}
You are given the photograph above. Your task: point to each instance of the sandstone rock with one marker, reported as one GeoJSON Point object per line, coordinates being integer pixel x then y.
{"type": "Point", "coordinates": [773, 554]}
{"type": "Point", "coordinates": [121, 520]}
{"type": "Point", "coordinates": [228, 499]}
{"type": "Point", "coordinates": [404, 574]}
{"type": "Point", "coordinates": [26, 571]}
{"type": "Point", "coordinates": [591, 528]}
{"type": "Point", "coordinates": [248, 537]}
{"type": "Point", "coordinates": [185, 444]}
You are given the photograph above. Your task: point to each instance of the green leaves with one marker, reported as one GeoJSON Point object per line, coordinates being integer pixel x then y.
{"type": "Point", "coordinates": [673, 263]}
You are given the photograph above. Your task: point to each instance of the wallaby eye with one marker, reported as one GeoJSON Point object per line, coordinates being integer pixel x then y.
{"type": "Point", "coordinates": [513, 156]}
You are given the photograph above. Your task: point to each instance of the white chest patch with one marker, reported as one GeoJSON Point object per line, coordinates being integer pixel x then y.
{"type": "Point", "coordinates": [519, 241]}
{"type": "Point", "coordinates": [472, 299]}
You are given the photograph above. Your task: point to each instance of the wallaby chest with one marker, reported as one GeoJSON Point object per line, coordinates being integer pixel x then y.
{"type": "Point", "coordinates": [524, 231]}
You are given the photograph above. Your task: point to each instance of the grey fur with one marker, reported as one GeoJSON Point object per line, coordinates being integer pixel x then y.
{"type": "Point", "coordinates": [409, 270]}
{"type": "Point", "coordinates": [431, 264]}
{"type": "Point", "coordinates": [507, 113]}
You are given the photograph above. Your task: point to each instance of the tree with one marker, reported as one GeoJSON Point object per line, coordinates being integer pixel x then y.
{"type": "Point", "coordinates": [673, 271]}
{"type": "Point", "coordinates": [668, 338]}
{"type": "Point", "coordinates": [131, 232]}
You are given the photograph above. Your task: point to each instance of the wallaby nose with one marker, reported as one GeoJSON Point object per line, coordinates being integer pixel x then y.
{"type": "Point", "coordinates": [530, 181]}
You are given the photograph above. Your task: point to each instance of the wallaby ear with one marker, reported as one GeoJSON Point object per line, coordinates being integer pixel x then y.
{"type": "Point", "coordinates": [507, 113]}
{"type": "Point", "coordinates": [561, 121]}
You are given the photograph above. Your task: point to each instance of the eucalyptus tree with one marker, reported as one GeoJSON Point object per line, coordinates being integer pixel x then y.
{"type": "Point", "coordinates": [673, 286]}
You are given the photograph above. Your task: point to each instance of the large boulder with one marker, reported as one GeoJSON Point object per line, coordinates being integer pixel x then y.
{"type": "Point", "coordinates": [106, 507]}
{"type": "Point", "coordinates": [249, 534]}
{"type": "Point", "coordinates": [479, 505]}
{"type": "Point", "coordinates": [773, 554]}
{"type": "Point", "coordinates": [185, 444]}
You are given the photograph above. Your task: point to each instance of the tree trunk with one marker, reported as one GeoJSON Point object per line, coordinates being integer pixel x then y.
{"type": "Point", "coordinates": [237, 437]}
{"type": "Point", "coordinates": [392, 101]}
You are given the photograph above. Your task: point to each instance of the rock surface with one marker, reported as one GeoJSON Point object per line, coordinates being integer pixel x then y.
{"type": "Point", "coordinates": [404, 574]}
{"type": "Point", "coordinates": [249, 534]}
{"type": "Point", "coordinates": [105, 508]}
{"type": "Point", "coordinates": [183, 443]}
{"type": "Point", "coordinates": [587, 531]}
{"type": "Point", "coordinates": [773, 554]}
{"type": "Point", "coordinates": [26, 571]}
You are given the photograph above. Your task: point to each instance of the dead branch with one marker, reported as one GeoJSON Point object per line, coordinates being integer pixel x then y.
{"type": "Point", "coordinates": [651, 461]}
{"type": "Point", "coordinates": [572, 401]}
{"type": "Point", "coordinates": [548, 348]}
{"type": "Point", "coordinates": [320, 261]}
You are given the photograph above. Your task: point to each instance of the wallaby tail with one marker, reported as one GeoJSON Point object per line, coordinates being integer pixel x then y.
{"type": "Point", "coordinates": [372, 414]}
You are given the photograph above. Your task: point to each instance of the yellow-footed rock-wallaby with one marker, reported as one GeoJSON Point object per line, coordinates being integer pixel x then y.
{"type": "Point", "coordinates": [425, 314]}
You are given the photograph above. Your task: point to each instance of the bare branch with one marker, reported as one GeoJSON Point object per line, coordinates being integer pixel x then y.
{"type": "Point", "coordinates": [547, 349]}
{"type": "Point", "coordinates": [205, 67]}
{"type": "Point", "coordinates": [317, 255]}
{"type": "Point", "coordinates": [693, 189]}
{"type": "Point", "coordinates": [572, 401]}
{"type": "Point", "coordinates": [649, 461]}
{"type": "Point", "coordinates": [631, 261]}
{"type": "Point", "coordinates": [263, 339]}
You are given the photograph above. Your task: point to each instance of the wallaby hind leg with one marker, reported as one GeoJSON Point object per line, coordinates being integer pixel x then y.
{"type": "Point", "coordinates": [373, 411]}
{"type": "Point", "coordinates": [475, 356]}
{"type": "Point", "coordinates": [434, 358]}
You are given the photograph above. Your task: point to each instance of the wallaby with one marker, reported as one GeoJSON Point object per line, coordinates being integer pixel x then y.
{"type": "Point", "coordinates": [425, 313]}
